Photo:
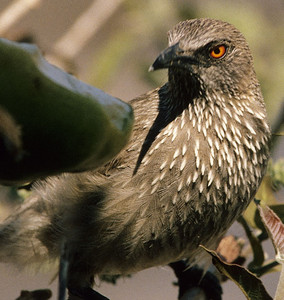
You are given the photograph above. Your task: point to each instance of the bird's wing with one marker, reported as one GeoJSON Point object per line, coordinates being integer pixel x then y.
{"type": "Point", "coordinates": [145, 112]}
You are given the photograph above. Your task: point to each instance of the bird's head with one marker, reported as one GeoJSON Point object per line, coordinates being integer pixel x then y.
{"type": "Point", "coordinates": [211, 52]}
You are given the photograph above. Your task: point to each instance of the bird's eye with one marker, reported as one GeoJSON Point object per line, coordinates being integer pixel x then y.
{"type": "Point", "coordinates": [218, 51]}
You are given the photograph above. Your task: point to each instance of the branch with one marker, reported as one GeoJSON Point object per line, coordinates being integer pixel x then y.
{"type": "Point", "coordinates": [14, 12]}
{"type": "Point", "coordinates": [85, 26]}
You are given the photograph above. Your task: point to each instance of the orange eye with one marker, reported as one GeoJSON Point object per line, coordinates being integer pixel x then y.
{"type": "Point", "coordinates": [218, 51]}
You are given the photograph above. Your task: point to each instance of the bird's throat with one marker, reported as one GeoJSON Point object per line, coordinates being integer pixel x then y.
{"type": "Point", "coordinates": [184, 86]}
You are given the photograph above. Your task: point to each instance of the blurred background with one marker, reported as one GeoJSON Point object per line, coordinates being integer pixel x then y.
{"type": "Point", "coordinates": [111, 44]}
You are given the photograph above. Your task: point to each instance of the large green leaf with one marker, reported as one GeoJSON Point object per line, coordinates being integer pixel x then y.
{"type": "Point", "coordinates": [58, 123]}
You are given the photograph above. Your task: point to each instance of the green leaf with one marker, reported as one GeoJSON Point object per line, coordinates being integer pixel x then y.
{"type": "Point", "coordinates": [64, 125]}
{"type": "Point", "coordinates": [250, 285]}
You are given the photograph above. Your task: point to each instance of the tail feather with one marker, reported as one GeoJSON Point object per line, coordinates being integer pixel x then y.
{"type": "Point", "coordinates": [19, 243]}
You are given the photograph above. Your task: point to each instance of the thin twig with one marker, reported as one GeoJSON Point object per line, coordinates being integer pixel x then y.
{"type": "Point", "coordinates": [85, 27]}
{"type": "Point", "coordinates": [15, 11]}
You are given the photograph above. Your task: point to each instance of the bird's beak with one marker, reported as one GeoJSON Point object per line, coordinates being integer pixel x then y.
{"type": "Point", "coordinates": [172, 56]}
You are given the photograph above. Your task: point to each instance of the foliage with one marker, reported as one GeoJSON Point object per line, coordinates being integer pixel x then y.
{"type": "Point", "coordinates": [266, 224]}
{"type": "Point", "coordinates": [250, 285]}
{"type": "Point", "coordinates": [50, 121]}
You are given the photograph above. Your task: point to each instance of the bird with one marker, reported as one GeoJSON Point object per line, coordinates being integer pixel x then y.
{"type": "Point", "coordinates": [197, 155]}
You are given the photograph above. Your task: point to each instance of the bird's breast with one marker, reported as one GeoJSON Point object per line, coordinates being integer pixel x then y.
{"type": "Point", "coordinates": [205, 166]}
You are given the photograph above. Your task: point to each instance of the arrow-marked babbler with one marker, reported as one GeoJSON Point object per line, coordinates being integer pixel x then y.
{"type": "Point", "coordinates": [197, 156]}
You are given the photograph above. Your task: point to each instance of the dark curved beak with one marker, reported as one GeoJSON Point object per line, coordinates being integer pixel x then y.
{"type": "Point", "coordinates": [173, 57]}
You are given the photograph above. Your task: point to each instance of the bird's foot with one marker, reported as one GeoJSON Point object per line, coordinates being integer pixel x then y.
{"type": "Point", "coordinates": [86, 293]}
{"type": "Point", "coordinates": [194, 277]}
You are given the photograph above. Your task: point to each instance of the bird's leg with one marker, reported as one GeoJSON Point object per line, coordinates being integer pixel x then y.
{"type": "Point", "coordinates": [194, 277]}
{"type": "Point", "coordinates": [79, 281]}
{"type": "Point", "coordinates": [63, 271]}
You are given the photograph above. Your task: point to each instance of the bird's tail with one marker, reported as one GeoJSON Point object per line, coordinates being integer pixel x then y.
{"type": "Point", "coordinates": [33, 235]}
{"type": "Point", "coordinates": [68, 208]}
{"type": "Point", "coordinates": [20, 243]}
